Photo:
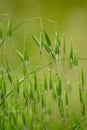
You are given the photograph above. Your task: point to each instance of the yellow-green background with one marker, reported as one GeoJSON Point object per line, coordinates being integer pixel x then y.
{"type": "Point", "coordinates": [71, 16]}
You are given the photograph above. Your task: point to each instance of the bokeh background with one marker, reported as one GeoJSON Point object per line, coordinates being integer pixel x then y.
{"type": "Point", "coordinates": [71, 16]}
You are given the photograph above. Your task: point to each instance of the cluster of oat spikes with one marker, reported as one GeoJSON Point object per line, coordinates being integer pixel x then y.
{"type": "Point", "coordinates": [31, 103]}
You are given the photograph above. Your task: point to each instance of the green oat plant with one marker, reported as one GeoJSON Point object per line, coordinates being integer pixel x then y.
{"type": "Point", "coordinates": [53, 100]}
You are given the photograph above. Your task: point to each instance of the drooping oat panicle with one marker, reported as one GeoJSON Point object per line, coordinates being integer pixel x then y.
{"type": "Point", "coordinates": [9, 29]}
{"type": "Point", "coordinates": [48, 45]}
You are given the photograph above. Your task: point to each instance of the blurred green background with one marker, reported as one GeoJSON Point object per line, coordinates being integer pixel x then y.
{"type": "Point", "coordinates": [71, 16]}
